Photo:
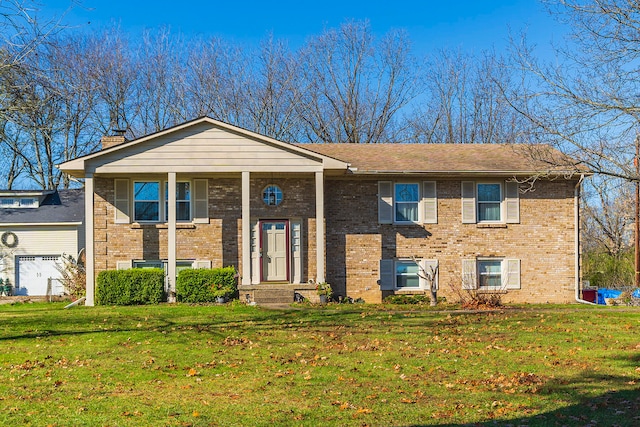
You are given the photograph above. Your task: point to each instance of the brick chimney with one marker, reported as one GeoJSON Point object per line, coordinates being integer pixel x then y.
{"type": "Point", "coordinates": [115, 139]}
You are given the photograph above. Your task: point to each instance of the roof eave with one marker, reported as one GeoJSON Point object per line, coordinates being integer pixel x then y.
{"type": "Point", "coordinates": [472, 173]}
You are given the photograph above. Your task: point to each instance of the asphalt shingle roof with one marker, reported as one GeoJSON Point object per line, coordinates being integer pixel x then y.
{"type": "Point", "coordinates": [61, 206]}
{"type": "Point", "coordinates": [460, 158]}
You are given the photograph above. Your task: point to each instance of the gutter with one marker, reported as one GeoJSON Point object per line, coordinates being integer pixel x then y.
{"type": "Point", "coordinates": [40, 224]}
{"type": "Point", "coordinates": [576, 205]}
{"type": "Point", "coordinates": [457, 173]}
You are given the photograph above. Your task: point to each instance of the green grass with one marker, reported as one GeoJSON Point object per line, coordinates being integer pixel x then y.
{"type": "Point", "coordinates": [180, 365]}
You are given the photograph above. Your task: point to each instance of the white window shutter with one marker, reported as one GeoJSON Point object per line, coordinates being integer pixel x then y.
{"type": "Point", "coordinates": [201, 263]}
{"type": "Point", "coordinates": [201, 201]}
{"type": "Point", "coordinates": [512, 202]}
{"type": "Point", "coordinates": [387, 275]}
{"type": "Point", "coordinates": [385, 202]}
{"type": "Point", "coordinates": [512, 270]}
{"type": "Point", "coordinates": [124, 265]}
{"type": "Point", "coordinates": [468, 202]}
{"type": "Point", "coordinates": [121, 200]}
{"type": "Point", "coordinates": [429, 203]}
{"type": "Point", "coordinates": [429, 267]}
{"type": "Point", "coordinates": [469, 274]}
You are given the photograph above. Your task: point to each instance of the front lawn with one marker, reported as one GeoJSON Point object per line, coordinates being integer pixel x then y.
{"type": "Point", "coordinates": [181, 365]}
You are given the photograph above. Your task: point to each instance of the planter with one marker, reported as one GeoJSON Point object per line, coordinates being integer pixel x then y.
{"type": "Point", "coordinates": [323, 299]}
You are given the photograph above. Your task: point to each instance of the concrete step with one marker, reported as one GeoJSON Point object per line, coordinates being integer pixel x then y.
{"type": "Point", "coordinates": [273, 296]}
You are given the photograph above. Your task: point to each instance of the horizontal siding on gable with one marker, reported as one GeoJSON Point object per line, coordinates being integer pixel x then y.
{"type": "Point", "coordinates": [207, 150]}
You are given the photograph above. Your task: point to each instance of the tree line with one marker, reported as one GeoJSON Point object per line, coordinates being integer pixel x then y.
{"type": "Point", "coordinates": [345, 85]}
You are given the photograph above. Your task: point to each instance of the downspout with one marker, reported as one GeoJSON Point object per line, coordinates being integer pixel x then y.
{"type": "Point", "coordinates": [576, 206]}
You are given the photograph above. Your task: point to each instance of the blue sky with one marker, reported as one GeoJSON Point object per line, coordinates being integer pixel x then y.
{"type": "Point", "coordinates": [470, 25]}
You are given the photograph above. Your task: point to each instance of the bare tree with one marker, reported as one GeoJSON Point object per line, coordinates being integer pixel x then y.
{"type": "Point", "coordinates": [273, 92]}
{"type": "Point", "coordinates": [355, 85]}
{"type": "Point", "coordinates": [215, 73]}
{"type": "Point", "coordinates": [585, 101]}
{"type": "Point", "coordinates": [464, 101]}
{"type": "Point", "coordinates": [608, 217]}
{"type": "Point", "coordinates": [160, 83]}
{"type": "Point", "coordinates": [113, 72]}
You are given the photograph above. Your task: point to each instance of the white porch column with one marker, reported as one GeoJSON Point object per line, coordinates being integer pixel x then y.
{"type": "Point", "coordinates": [246, 228]}
{"type": "Point", "coordinates": [320, 245]}
{"type": "Point", "coordinates": [171, 244]}
{"type": "Point", "coordinates": [89, 240]}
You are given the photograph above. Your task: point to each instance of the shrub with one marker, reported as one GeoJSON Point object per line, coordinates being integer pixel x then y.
{"type": "Point", "coordinates": [205, 285]}
{"type": "Point", "coordinates": [72, 276]}
{"type": "Point", "coordinates": [130, 287]}
{"type": "Point", "coordinates": [407, 299]}
{"type": "Point", "coordinates": [477, 298]}
{"type": "Point", "coordinates": [603, 270]}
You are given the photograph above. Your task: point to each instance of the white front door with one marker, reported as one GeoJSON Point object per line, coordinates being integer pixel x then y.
{"type": "Point", "coordinates": [274, 251]}
{"type": "Point", "coordinates": [34, 273]}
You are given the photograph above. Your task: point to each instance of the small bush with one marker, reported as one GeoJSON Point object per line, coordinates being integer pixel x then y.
{"type": "Point", "coordinates": [407, 299]}
{"type": "Point", "coordinates": [205, 285]}
{"type": "Point", "coordinates": [474, 299]}
{"type": "Point", "coordinates": [72, 276]}
{"type": "Point", "coordinates": [130, 287]}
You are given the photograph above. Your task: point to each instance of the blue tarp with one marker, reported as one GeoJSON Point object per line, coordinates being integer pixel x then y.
{"type": "Point", "coordinates": [613, 293]}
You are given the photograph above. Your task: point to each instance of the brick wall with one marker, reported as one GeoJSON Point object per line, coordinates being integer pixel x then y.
{"type": "Point", "coordinates": [355, 242]}
{"type": "Point", "coordinates": [543, 240]}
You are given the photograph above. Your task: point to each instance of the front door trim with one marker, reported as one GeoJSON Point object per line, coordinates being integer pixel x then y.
{"type": "Point", "coordinates": [286, 223]}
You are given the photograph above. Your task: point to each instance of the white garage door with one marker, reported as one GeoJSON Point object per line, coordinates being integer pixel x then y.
{"type": "Point", "coordinates": [34, 273]}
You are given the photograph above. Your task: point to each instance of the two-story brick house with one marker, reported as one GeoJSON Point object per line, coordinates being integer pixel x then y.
{"type": "Point", "coordinates": [363, 217]}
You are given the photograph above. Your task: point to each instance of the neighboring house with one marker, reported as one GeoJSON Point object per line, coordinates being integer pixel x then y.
{"type": "Point", "coordinates": [360, 216]}
{"type": "Point", "coordinates": [36, 229]}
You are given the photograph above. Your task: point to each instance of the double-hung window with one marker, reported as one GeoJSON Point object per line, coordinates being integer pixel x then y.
{"type": "Point", "coordinates": [146, 200]}
{"type": "Point", "coordinates": [407, 275]}
{"type": "Point", "coordinates": [183, 201]}
{"type": "Point", "coordinates": [489, 202]}
{"type": "Point", "coordinates": [150, 201]}
{"type": "Point", "coordinates": [490, 273]}
{"type": "Point", "coordinates": [407, 202]}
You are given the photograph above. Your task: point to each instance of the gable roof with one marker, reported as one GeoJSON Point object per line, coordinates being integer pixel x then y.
{"type": "Point", "coordinates": [201, 145]}
{"type": "Point", "coordinates": [463, 159]}
{"type": "Point", "coordinates": [57, 207]}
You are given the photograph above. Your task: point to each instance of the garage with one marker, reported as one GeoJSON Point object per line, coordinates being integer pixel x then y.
{"type": "Point", "coordinates": [34, 273]}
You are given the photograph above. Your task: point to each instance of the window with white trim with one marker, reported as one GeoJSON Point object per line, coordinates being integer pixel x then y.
{"type": "Point", "coordinates": [24, 202]}
{"type": "Point", "coordinates": [407, 275]}
{"type": "Point", "coordinates": [162, 263]}
{"type": "Point", "coordinates": [491, 273]}
{"type": "Point", "coordinates": [183, 201]}
{"type": "Point", "coordinates": [489, 202]}
{"type": "Point", "coordinates": [146, 200]}
{"type": "Point", "coordinates": [8, 203]}
{"type": "Point", "coordinates": [407, 202]}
